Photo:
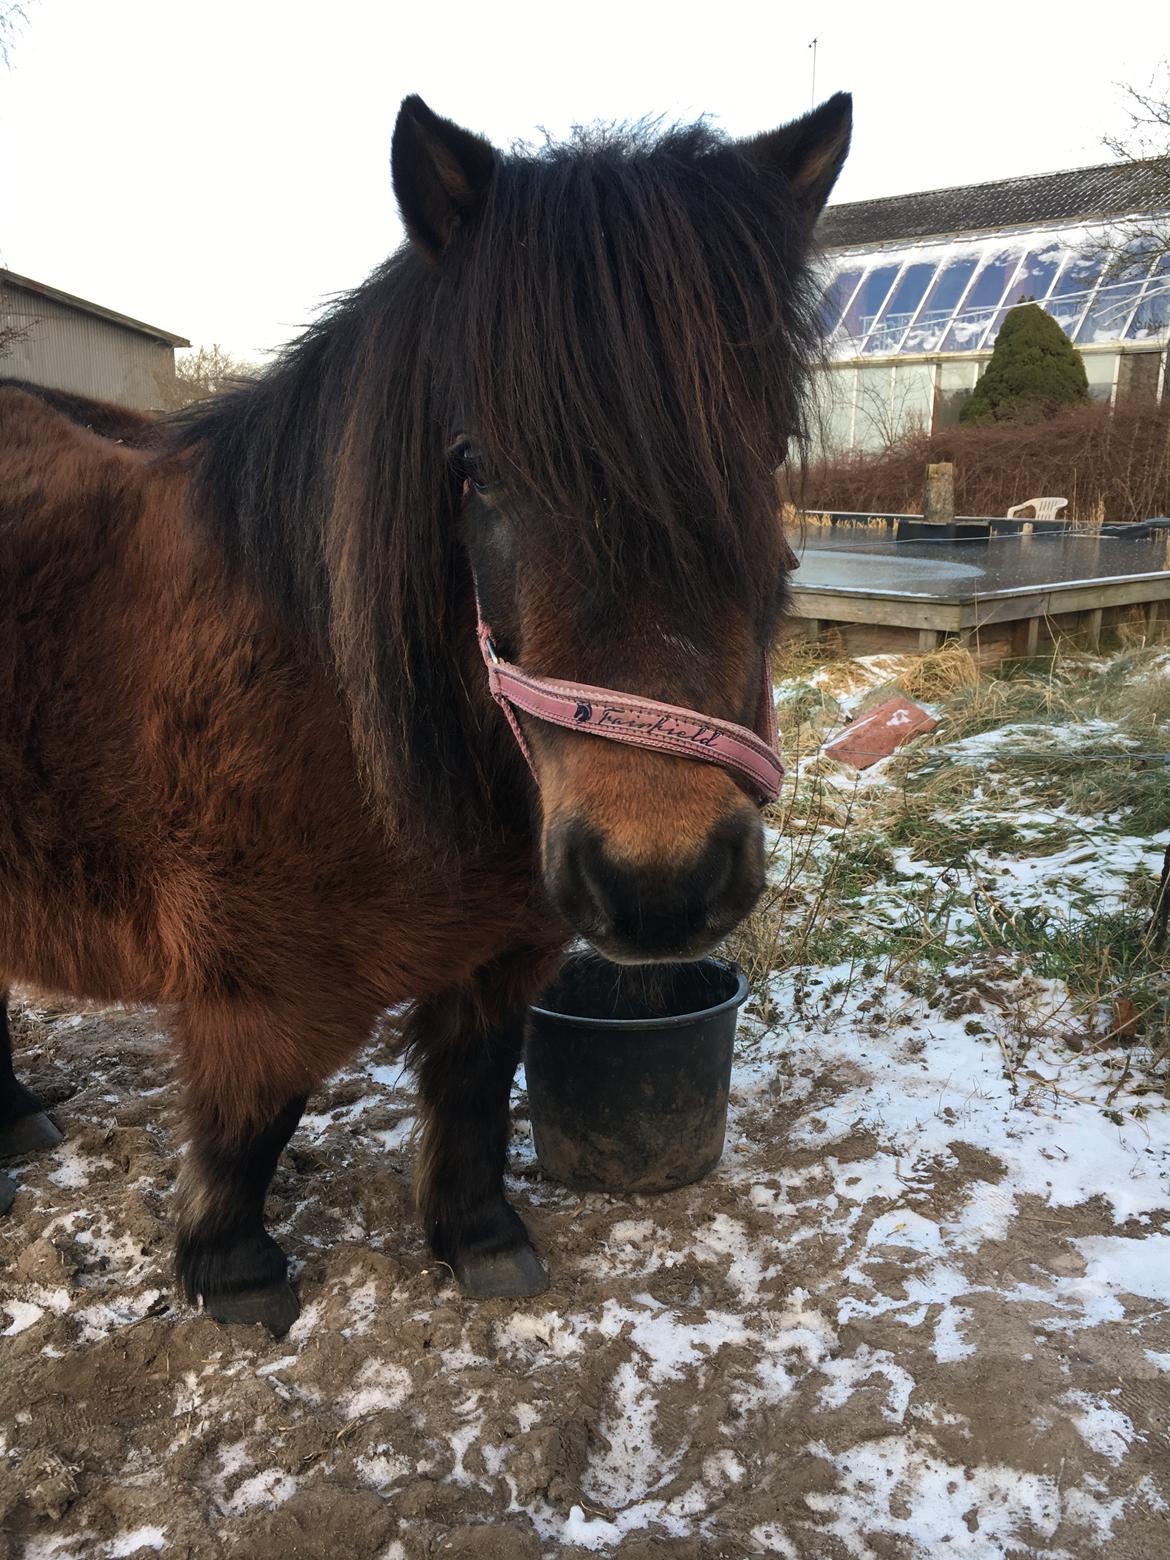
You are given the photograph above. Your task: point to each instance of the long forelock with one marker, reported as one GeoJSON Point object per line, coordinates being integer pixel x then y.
{"type": "Point", "coordinates": [632, 323]}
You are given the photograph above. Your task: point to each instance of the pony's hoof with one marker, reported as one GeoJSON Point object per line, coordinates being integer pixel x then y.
{"type": "Point", "coordinates": [509, 1274]}
{"type": "Point", "coordinates": [7, 1192]}
{"type": "Point", "coordinates": [28, 1134]}
{"type": "Point", "coordinates": [274, 1306]}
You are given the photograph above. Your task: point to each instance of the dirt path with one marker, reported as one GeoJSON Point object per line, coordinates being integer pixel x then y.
{"type": "Point", "coordinates": [912, 1314]}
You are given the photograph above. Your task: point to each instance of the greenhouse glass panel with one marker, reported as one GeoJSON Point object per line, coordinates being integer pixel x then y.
{"type": "Point", "coordinates": [939, 304]}
{"type": "Point", "coordinates": [982, 303]}
{"type": "Point", "coordinates": [1152, 317]}
{"type": "Point", "coordinates": [1073, 289]}
{"type": "Point", "coordinates": [900, 308]}
{"type": "Point", "coordinates": [1037, 273]}
{"type": "Point", "coordinates": [836, 295]}
{"type": "Point", "coordinates": [835, 391]}
{"type": "Point", "coordinates": [913, 398]}
{"type": "Point", "coordinates": [955, 384]}
{"type": "Point", "coordinates": [1100, 370]}
{"type": "Point", "coordinates": [1031, 285]}
{"type": "Point", "coordinates": [867, 303]}
{"type": "Point", "coordinates": [874, 419]}
{"type": "Point", "coordinates": [1111, 309]}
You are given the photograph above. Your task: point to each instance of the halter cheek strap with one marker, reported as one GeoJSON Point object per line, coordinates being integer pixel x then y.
{"type": "Point", "coordinates": [645, 723]}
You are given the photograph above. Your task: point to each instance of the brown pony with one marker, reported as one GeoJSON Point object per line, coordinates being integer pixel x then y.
{"type": "Point", "coordinates": [249, 765]}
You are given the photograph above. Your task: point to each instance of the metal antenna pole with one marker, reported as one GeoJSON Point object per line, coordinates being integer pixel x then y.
{"type": "Point", "coordinates": [813, 47]}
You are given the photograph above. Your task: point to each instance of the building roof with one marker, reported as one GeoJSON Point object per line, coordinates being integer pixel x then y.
{"type": "Point", "coordinates": [42, 290]}
{"type": "Point", "coordinates": [1075, 194]}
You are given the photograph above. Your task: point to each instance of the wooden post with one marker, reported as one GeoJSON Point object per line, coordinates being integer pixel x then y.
{"type": "Point", "coordinates": [1093, 628]}
{"type": "Point", "coordinates": [928, 639]}
{"type": "Point", "coordinates": [938, 497]}
{"type": "Point", "coordinates": [1025, 638]}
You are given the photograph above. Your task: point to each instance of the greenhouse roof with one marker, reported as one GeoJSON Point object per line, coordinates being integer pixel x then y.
{"type": "Point", "coordinates": [953, 295]}
{"type": "Point", "coordinates": [1106, 190]}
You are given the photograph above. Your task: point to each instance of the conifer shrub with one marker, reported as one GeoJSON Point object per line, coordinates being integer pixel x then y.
{"type": "Point", "coordinates": [1034, 373]}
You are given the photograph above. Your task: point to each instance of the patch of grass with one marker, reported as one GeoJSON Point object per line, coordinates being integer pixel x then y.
{"type": "Point", "coordinates": [1121, 707]}
{"type": "Point", "coordinates": [941, 675]}
{"type": "Point", "coordinates": [859, 861]}
{"type": "Point", "coordinates": [945, 842]}
{"type": "Point", "coordinates": [837, 897]}
{"type": "Point", "coordinates": [803, 703]}
{"type": "Point", "coordinates": [817, 911]}
{"type": "Point", "coordinates": [1099, 781]}
{"type": "Point", "coordinates": [930, 779]}
{"type": "Point", "coordinates": [810, 801]}
{"type": "Point", "coordinates": [795, 658]}
{"type": "Point", "coordinates": [1102, 956]}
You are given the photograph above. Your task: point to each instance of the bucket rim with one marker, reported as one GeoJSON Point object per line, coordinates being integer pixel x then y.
{"type": "Point", "coordinates": [673, 1021]}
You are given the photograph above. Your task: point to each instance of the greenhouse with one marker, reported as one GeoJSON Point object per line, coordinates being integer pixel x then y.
{"type": "Point", "coordinates": [917, 287]}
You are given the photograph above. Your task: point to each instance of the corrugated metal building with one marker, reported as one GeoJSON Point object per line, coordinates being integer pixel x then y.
{"type": "Point", "coordinates": [918, 285]}
{"type": "Point", "coordinates": [51, 338]}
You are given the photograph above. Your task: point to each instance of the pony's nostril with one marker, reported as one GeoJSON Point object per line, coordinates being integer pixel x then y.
{"type": "Point", "coordinates": [573, 879]}
{"type": "Point", "coordinates": [746, 873]}
{"type": "Point", "coordinates": [589, 866]}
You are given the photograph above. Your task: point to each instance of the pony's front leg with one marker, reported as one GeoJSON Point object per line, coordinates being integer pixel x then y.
{"type": "Point", "coordinates": [464, 1046]}
{"type": "Point", "coordinates": [224, 1256]}
{"type": "Point", "coordinates": [246, 1074]}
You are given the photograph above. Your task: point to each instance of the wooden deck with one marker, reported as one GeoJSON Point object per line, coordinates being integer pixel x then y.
{"type": "Point", "coordinates": [1015, 622]}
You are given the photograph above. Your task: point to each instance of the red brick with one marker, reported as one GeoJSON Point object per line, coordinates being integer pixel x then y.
{"type": "Point", "coordinates": [877, 734]}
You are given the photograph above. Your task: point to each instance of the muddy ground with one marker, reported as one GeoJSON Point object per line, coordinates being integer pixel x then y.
{"type": "Point", "coordinates": [893, 1323]}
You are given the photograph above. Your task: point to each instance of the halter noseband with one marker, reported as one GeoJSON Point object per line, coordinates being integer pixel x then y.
{"type": "Point", "coordinates": [645, 723]}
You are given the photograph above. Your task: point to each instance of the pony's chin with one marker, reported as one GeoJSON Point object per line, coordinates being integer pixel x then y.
{"type": "Point", "coordinates": [620, 953]}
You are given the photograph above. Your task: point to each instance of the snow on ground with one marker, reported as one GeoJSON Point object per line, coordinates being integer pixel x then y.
{"type": "Point", "coordinates": [921, 1308]}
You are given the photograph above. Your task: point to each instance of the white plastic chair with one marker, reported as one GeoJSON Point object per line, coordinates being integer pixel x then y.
{"type": "Point", "coordinates": [1046, 508]}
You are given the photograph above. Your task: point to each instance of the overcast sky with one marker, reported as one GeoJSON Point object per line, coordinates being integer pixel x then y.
{"type": "Point", "coordinates": [220, 168]}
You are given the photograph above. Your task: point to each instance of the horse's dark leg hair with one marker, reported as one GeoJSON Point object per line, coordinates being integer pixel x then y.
{"type": "Point", "coordinates": [1156, 930]}
{"type": "Point", "coordinates": [247, 1068]}
{"type": "Point", "coordinates": [224, 1255]}
{"type": "Point", "coordinates": [24, 1126]}
{"type": "Point", "coordinates": [464, 1051]}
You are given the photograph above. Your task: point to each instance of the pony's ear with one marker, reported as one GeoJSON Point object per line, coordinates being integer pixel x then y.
{"type": "Point", "coordinates": [809, 151]}
{"type": "Point", "coordinates": [440, 173]}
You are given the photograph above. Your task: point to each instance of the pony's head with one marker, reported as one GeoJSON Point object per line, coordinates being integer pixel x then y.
{"type": "Point", "coordinates": [569, 391]}
{"type": "Point", "coordinates": [621, 334]}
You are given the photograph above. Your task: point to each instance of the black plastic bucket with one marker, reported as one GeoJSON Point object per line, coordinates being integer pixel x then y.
{"type": "Point", "coordinates": [628, 1072]}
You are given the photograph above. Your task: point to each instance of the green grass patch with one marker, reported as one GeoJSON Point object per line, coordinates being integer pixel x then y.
{"type": "Point", "coordinates": [946, 842]}
{"type": "Point", "coordinates": [1097, 781]}
{"type": "Point", "coordinates": [1102, 956]}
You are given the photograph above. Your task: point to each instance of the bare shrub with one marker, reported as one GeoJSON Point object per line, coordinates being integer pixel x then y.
{"type": "Point", "coordinates": [1112, 463]}
{"type": "Point", "coordinates": [203, 373]}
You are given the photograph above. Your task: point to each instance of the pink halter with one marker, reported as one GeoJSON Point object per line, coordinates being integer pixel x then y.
{"type": "Point", "coordinates": [646, 723]}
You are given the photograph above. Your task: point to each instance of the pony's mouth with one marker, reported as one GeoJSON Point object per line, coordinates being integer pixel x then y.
{"type": "Point", "coordinates": [674, 914]}
{"type": "Point", "coordinates": [687, 953]}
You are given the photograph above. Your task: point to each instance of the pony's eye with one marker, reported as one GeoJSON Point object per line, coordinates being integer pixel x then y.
{"type": "Point", "coordinates": [469, 463]}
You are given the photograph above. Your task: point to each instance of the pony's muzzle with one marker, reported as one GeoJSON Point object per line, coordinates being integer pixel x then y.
{"type": "Point", "coordinates": [637, 913]}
